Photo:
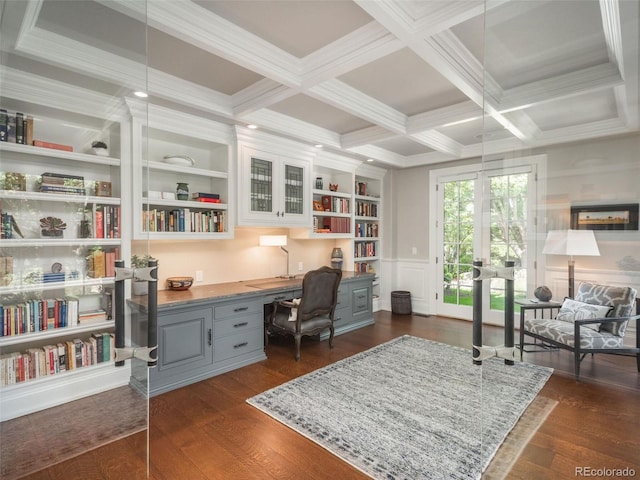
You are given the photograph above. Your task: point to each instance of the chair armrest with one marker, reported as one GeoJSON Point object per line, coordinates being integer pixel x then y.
{"type": "Point", "coordinates": [287, 303]}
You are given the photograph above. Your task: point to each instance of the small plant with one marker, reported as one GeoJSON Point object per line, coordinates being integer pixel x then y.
{"type": "Point", "coordinates": [52, 226]}
{"type": "Point", "coordinates": [140, 261]}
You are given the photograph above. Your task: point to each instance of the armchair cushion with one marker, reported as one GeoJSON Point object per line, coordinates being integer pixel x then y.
{"type": "Point", "coordinates": [622, 299]}
{"type": "Point", "coordinates": [563, 332]}
{"type": "Point", "coordinates": [573, 310]}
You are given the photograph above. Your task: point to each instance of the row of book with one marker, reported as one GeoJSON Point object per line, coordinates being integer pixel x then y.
{"type": "Point", "coordinates": [363, 267]}
{"type": "Point", "coordinates": [62, 183]}
{"type": "Point", "coordinates": [335, 204]}
{"type": "Point", "coordinates": [17, 127]}
{"type": "Point", "coordinates": [106, 221]}
{"type": "Point", "coordinates": [361, 188]}
{"type": "Point", "coordinates": [366, 209]}
{"type": "Point", "coordinates": [367, 230]}
{"type": "Point", "coordinates": [364, 249]}
{"type": "Point", "coordinates": [35, 316]}
{"type": "Point", "coordinates": [55, 359]}
{"type": "Point", "coordinates": [101, 263]}
{"type": "Point", "coordinates": [183, 220]}
{"type": "Point", "coordinates": [9, 226]}
{"type": "Point", "coordinates": [331, 224]}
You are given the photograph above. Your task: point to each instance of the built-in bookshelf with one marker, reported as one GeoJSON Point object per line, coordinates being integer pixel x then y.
{"type": "Point", "coordinates": [63, 225]}
{"type": "Point", "coordinates": [182, 187]}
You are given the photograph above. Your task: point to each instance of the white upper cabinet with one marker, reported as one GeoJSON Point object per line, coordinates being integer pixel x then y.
{"type": "Point", "coordinates": [274, 181]}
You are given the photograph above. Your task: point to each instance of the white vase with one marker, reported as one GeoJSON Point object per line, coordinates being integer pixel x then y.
{"type": "Point", "coordinates": [140, 288]}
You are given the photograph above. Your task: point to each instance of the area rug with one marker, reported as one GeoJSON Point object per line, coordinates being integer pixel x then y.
{"type": "Point", "coordinates": [410, 408]}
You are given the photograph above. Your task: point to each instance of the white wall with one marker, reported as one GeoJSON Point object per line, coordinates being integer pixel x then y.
{"type": "Point", "coordinates": [599, 171]}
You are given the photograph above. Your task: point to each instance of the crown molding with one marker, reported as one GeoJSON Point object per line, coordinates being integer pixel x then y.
{"type": "Point", "coordinates": [351, 100]}
{"type": "Point", "coordinates": [364, 136]}
{"type": "Point", "coordinates": [380, 154]}
{"type": "Point", "coordinates": [289, 126]}
{"type": "Point", "coordinates": [261, 94]}
{"type": "Point", "coordinates": [267, 141]}
{"type": "Point", "coordinates": [198, 26]}
{"type": "Point", "coordinates": [438, 142]}
{"type": "Point", "coordinates": [364, 45]}
{"type": "Point", "coordinates": [588, 79]}
{"type": "Point", "coordinates": [336, 161]}
{"type": "Point", "coordinates": [44, 91]}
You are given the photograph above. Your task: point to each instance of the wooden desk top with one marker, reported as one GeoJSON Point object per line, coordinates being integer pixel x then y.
{"type": "Point", "coordinates": [219, 291]}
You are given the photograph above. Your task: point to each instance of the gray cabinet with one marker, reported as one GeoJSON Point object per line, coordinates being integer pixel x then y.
{"type": "Point", "coordinates": [199, 342]}
{"type": "Point", "coordinates": [355, 306]}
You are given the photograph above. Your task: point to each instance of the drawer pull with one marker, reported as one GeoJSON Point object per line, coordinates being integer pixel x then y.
{"type": "Point", "coordinates": [210, 337]}
{"type": "Point", "coordinates": [280, 297]}
{"type": "Point", "coordinates": [240, 309]}
{"type": "Point", "coordinates": [336, 319]}
{"type": "Point", "coordinates": [242, 324]}
{"type": "Point", "coordinates": [240, 345]}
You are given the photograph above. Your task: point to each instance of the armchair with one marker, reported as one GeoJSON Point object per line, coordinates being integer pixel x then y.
{"type": "Point", "coordinates": [595, 322]}
{"type": "Point", "coordinates": [314, 311]}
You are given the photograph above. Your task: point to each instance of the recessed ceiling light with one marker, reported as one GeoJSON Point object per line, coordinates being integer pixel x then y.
{"type": "Point", "coordinates": [140, 94]}
{"type": "Point", "coordinates": [318, 145]}
{"type": "Point", "coordinates": [369, 159]}
{"type": "Point", "coordinates": [252, 126]}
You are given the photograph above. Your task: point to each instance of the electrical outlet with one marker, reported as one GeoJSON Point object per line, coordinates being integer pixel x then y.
{"type": "Point", "coordinates": [300, 266]}
{"type": "Point", "coordinates": [414, 251]}
{"type": "Point", "coordinates": [199, 276]}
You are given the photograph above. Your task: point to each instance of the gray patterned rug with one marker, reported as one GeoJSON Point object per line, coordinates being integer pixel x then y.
{"type": "Point", "coordinates": [408, 409]}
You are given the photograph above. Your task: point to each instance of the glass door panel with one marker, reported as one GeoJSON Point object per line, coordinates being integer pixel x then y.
{"type": "Point", "coordinates": [294, 190]}
{"type": "Point", "coordinates": [66, 200]}
{"type": "Point", "coordinates": [261, 185]}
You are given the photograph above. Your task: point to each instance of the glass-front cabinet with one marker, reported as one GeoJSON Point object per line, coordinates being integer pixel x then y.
{"type": "Point", "coordinates": [274, 186]}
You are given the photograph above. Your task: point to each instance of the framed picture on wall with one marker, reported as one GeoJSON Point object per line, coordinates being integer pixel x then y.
{"type": "Point", "coordinates": [605, 217]}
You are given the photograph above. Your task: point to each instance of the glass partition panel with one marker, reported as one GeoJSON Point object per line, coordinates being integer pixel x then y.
{"type": "Point", "coordinates": [68, 74]}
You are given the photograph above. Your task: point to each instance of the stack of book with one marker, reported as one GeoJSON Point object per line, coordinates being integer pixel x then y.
{"type": "Point", "coordinates": [16, 127]}
{"type": "Point", "coordinates": [206, 197]}
{"type": "Point", "coordinates": [62, 183]}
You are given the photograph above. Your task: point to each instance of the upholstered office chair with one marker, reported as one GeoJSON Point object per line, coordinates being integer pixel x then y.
{"type": "Point", "coordinates": [312, 313]}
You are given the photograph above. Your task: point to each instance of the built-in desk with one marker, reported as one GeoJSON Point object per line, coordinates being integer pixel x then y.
{"type": "Point", "coordinates": [211, 329]}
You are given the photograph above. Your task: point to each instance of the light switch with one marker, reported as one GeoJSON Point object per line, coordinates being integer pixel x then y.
{"type": "Point", "coordinates": [414, 251]}
{"type": "Point", "coordinates": [199, 276]}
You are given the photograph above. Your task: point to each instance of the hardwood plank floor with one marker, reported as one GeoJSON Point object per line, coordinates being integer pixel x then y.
{"type": "Point", "coordinates": [207, 431]}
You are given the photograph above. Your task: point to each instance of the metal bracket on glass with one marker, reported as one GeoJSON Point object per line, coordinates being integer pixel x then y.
{"type": "Point", "coordinates": [486, 351]}
{"type": "Point", "coordinates": [141, 353]}
{"type": "Point", "coordinates": [142, 274]}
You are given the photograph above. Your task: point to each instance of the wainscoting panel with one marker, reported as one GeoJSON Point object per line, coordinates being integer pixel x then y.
{"type": "Point", "coordinates": [412, 275]}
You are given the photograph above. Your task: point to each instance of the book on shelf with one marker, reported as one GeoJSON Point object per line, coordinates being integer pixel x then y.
{"type": "Point", "coordinates": [92, 316]}
{"type": "Point", "coordinates": [55, 146]}
{"type": "Point", "coordinates": [19, 127]}
{"type": "Point", "coordinates": [208, 200]}
{"type": "Point", "coordinates": [197, 195]}
{"type": "Point", "coordinates": [47, 188]}
{"type": "Point", "coordinates": [4, 125]}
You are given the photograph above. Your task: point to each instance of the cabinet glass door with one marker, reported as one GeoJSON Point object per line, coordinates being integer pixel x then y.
{"type": "Point", "coordinates": [261, 185]}
{"type": "Point", "coordinates": [73, 404]}
{"type": "Point", "coordinates": [294, 190]}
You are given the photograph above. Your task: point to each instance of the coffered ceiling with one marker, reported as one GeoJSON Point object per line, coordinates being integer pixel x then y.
{"type": "Point", "coordinates": [403, 82]}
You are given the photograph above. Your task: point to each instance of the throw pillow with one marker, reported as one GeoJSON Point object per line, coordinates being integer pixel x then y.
{"type": "Point", "coordinates": [573, 310]}
{"type": "Point", "coordinates": [293, 313]}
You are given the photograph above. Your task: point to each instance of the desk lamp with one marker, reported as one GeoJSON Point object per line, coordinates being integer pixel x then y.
{"type": "Point", "coordinates": [571, 242]}
{"type": "Point", "coordinates": [276, 241]}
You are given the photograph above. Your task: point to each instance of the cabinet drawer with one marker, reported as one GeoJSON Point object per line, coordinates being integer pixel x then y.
{"type": "Point", "coordinates": [361, 300]}
{"type": "Point", "coordinates": [276, 297]}
{"type": "Point", "coordinates": [230, 326]}
{"type": "Point", "coordinates": [237, 308]}
{"type": "Point", "coordinates": [239, 344]}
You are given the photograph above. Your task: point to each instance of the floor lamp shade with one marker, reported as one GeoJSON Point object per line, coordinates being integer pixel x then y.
{"type": "Point", "coordinates": [571, 243]}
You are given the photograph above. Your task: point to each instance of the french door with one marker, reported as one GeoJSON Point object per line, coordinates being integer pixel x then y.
{"type": "Point", "coordinates": [483, 213]}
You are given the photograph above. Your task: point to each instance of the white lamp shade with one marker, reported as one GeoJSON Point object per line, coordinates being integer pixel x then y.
{"type": "Point", "coordinates": [273, 240]}
{"type": "Point", "coordinates": [571, 242]}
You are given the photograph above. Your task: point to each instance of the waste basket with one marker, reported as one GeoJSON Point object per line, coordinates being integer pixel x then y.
{"type": "Point", "coordinates": [401, 302]}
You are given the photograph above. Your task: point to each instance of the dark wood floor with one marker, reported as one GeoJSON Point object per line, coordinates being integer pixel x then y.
{"type": "Point", "coordinates": [207, 431]}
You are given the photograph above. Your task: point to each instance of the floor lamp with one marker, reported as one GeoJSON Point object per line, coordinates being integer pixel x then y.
{"type": "Point", "coordinates": [571, 243]}
{"type": "Point", "coordinates": [276, 241]}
